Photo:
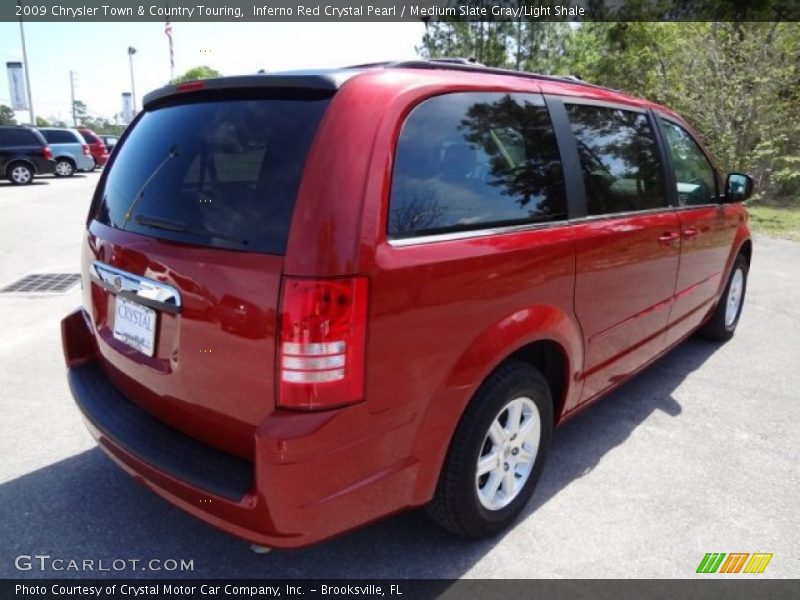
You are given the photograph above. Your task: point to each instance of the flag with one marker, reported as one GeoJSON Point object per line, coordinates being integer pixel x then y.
{"type": "Point", "coordinates": [168, 33]}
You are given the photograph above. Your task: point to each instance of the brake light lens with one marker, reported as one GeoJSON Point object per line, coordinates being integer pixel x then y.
{"type": "Point", "coordinates": [322, 342]}
{"type": "Point", "coordinates": [47, 153]}
{"type": "Point", "coordinates": [190, 86]}
{"type": "Point", "coordinates": [86, 151]}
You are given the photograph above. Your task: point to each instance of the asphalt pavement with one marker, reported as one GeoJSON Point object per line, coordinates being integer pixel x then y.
{"type": "Point", "coordinates": [697, 454]}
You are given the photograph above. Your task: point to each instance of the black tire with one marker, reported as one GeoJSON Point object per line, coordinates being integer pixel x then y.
{"type": "Point", "coordinates": [64, 168]}
{"type": "Point", "coordinates": [456, 505]}
{"type": "Point", "coordinates": [718, 328]}
{"type": "Point", "coordinates": [19, 173]}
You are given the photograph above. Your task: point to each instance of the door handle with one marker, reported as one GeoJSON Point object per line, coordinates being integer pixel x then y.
{"type": "Point", "coordinates": [691, 232]}
{"type": "Point", "coordinates": [668, 238]}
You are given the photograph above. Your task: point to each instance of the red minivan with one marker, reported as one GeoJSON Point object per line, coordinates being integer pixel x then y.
{"type": "Point", "coordinates": [311, 300]}
{"type": "Point", "coordinates": [96, 146]}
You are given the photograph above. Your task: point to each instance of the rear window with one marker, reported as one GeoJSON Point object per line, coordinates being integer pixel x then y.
{"type": "Point", "coordinates": [213, 173]}
{"type": "Point", "coordinates": [90, 139]}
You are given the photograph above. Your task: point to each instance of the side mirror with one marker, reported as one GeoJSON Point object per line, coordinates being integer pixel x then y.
{"type": "Point", "coordinates": [738, 187]}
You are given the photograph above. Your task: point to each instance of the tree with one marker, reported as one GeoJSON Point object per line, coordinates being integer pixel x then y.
{"type": "Point", "coordinates": [42, 122]}
{"type": "Point", "coordinates": [81, 112]}
{"type": "Point", "coordinates": [7, 115]}
{"type": "Point", "coordinates": [195, 73]}
{"type": "Point", "coordinates": [738, 83]}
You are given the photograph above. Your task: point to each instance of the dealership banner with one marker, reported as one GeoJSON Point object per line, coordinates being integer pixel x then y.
{"type": "Point", "coordinates": [403, 589]}
{"type": "Point", "coordinates": [16, 86]}
{"type": "Point", "coordinates": [127, 107]}
{"type": "Point", "coordinates": [400, 10]}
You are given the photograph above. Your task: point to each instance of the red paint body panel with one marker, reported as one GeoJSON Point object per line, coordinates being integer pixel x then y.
{"type": "Point", "coordinates": [612, 294]}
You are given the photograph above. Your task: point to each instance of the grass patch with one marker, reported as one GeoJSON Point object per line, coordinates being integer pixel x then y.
{"type": "Point", "coordinates": [777, 222]}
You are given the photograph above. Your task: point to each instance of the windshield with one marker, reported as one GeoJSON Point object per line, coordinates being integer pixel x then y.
{"type": "Point", "coordinates": [233, 172]}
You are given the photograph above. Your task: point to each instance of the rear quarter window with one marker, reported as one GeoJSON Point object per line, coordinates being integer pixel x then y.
{"type": "Point", "coordinates": [468, 161]}
{"type": "Point", "coordinates": [219, 173]}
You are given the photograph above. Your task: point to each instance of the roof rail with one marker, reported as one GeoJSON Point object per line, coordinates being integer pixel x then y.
{"type": "Point", "coordinates": [470, 65]}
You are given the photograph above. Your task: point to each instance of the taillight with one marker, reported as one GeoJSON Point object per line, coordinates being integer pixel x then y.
{"type": "Point", "coordinates": [322, 338]}
{"type": "Point", "coordinates": [190, 86]}
{"type": "Point", "coordinates": [86, 151]}
{"type": "Point", "coordinates": [47, 154]}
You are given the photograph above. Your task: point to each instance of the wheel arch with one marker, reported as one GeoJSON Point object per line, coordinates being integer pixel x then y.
{"type": "Point", "coordinates": [18, 160]}
{"type": "Point", "coordinates": [746, 249]}
{"type": "Point", "coordinates": [542, 336]}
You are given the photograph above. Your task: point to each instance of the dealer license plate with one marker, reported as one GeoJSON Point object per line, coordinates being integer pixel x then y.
{"type": "Point", "coordinates": [135, 325]}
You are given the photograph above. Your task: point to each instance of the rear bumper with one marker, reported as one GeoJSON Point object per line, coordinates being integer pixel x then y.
{"type": "Point", "coordinates": [43, 166]}
{"type": "Point", "coordinates": [100, 159]}
{"type": "Point", "coordinates": [313, 475]}
{"type": "Point", "coordinates": [84, 162]}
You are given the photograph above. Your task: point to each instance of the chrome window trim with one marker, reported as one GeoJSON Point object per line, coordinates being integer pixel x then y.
{"type": "Point", "coordinates": [627, 213]}
{"type": "Point", "coordinates": [152, 293]}
{"type": "Point", "coordinates": [473, 233]}
{"type": "Point", "coordinates": [706, 205]}
{"type": "Point", "coordinates": [480, 233]}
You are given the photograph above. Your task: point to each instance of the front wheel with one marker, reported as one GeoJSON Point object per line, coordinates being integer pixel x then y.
{"type": "Point", "coordinates": [723, 322]}
{"type": "Point", "coordinates": [497, 454]}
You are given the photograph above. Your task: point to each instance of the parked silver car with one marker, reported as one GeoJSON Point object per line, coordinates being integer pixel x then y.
{"type": "Point", "coordinates": [70, 151]}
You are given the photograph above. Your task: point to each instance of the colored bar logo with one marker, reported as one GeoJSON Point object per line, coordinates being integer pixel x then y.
{"type": "Point", "coordinates": [714, 562]}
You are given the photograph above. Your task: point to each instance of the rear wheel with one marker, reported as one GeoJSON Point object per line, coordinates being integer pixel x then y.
{"type": "Point", "coordinates": [723, 322]}
{"type": "Point", "coordinates": [497, 454]}
{"type": "Point", "coordinates": [19, 174]}
{"type": "Point", "coordinates": [64, 168]}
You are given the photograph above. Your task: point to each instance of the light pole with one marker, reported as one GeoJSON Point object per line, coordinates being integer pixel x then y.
{"type": "Point", "coordinates": [72, 95]}
{"type": "Point", "coordinates": [131, 52]}
{"type": "Point", "coordinates": [27, 66]}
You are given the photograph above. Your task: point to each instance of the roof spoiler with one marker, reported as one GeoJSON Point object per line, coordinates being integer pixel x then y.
{"type": "Point", "coordinates": [299, 80]}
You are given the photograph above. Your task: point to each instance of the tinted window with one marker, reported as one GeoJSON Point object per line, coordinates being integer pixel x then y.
{"type": "Point", "coordinates": [18, 137]}
{"type": "Point", "coordinates": [465, 161]}
{"type": "Point", "coordinates": [694, 175]}
{"type": "Point", "coordinates": [55, 136]}
{"type": "Point", "coordinates": [619, 159]}
{"type": "Point", "coordinates": [221, 173]}
{"type": "Point", "coordinates": [90, 139]}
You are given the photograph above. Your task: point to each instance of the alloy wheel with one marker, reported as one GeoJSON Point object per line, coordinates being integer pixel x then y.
{"type": "Point", "coordinates": [508, 453]}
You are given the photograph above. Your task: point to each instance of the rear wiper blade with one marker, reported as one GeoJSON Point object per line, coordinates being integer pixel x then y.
{"type": "Point", "coordinates": [173, 152]}
{"type": "Point", "coordinates": [178, 227]}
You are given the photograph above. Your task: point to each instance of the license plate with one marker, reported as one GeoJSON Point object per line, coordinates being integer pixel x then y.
{"type": "Point", "coordinates": [135, 325]}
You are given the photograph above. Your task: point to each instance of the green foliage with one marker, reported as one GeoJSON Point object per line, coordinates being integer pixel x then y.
{"type": "Point", "coordinates": [100, 125]}
{"type": "Point", "coordinates": [81, 112]}
{"type": "Point", "coordinates": [7, 116]}
{"type": "Point", "coordinates": [737, 83]}
{"type": "Point", "coordinates": [42, 122]}
{"type": "Point", "coordinates": [195, 73]}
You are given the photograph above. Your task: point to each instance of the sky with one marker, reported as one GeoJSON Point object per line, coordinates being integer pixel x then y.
{"type": "Point", "coordinates": [98, 54]}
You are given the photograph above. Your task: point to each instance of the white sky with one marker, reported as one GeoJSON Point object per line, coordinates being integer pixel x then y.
{"type": "Point", "coordinates": [97, 52]}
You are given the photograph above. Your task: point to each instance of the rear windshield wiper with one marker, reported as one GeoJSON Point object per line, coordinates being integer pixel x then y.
{"type": "Point", "coordinates": [178, 227]}
{"type": "Point", "coordinates": [173, 152]}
